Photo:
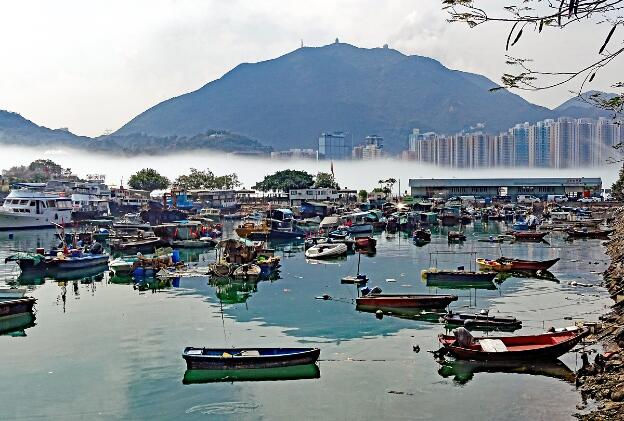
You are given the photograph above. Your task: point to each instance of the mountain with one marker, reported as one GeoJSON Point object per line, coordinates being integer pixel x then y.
{"type": "Point", "coordinates": [578, 107]}
{"type": "Point", "coordinates": [288, 101]}
{"type": "Point", "coordinates": [17, 130]}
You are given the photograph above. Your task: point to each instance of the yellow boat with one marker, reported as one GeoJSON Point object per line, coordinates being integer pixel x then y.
{"type": "Point", "coordinates": [487, 264]}
{"type": "Point", "coordinates": [247, 228]}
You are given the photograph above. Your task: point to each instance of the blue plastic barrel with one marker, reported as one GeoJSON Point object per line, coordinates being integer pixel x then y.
{"type": "Point", "coordinates": [139, 272]}
{"type": "Point", "coordinates": [175, 256]}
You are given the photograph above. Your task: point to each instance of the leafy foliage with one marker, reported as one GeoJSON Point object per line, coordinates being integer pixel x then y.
{"type": "Point", "coordinates": [207, 180]}
{"type": "Point", "coordinates": [148, 179]}
{"type": "Point", "coordinates": [38, 171]}
{"type": "Point", "coordinates": [617, 189]}
{"type": "Point", "coordinates": [325, 180]}
{"type": "Point", "coordinates": [539, 16]}
{"type": "Point", "coordinates": [362, 195]}
{"type": "Point", "coordinates": [285, 180]}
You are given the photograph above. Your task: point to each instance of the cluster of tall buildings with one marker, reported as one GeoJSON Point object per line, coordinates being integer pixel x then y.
{"type": "Point", "coordinates": [562, 143]}
{"type": "Point", "coordinates": [336, 146]}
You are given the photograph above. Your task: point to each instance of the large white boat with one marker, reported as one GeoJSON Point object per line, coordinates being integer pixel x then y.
{"type": "Point", "coordinates": [29, 209]}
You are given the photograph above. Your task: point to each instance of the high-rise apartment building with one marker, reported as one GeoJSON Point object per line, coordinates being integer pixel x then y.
{"type": "Point", "coordinates": [539, 143]}
{"type": "Point", "coordinates": [333, 146]}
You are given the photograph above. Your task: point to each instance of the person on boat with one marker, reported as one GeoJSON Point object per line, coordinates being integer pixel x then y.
{"type": "Point", "coordinates": [96, 248]}
{"type": "Point", "coordinates": [349, 223]}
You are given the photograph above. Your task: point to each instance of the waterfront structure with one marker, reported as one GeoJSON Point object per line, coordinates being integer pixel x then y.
{"type": "Point", "coordinates": [333, 146]}
{"type": "Point", "coordinates": [295, 154]}
{"type": "Point", "coordinates": [485, 187]}
{"type": "Point", "coordinates": [297, 196]}
{"type": "Point", "coordinates": [218, 199]}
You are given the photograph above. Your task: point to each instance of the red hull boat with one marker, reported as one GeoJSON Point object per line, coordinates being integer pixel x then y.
{"type": "Point", "coordinates": [547, 346]}
{"type": "Point", "coordinates": [529, 235]}
{"type": "Point", "coordinates": [527, 265]}
{"type": "Point", "coordinates": [365, 243]}
{"type": "Point", "coordinates": [428, 301]}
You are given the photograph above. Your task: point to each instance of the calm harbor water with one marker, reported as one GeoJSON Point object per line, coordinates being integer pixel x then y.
{"type": "Point", "coordinates": [106, 350]}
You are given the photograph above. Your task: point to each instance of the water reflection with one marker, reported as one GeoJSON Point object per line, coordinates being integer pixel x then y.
{"type": "Point", "coordinates": [463, 371]}
{"type": "Point", "coordinates": [295, 372]}
{"type": "Point", "coordinates": [16, 324]}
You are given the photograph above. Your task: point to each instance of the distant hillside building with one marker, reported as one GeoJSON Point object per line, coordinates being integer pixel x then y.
{"type": "Point", "coordinates": [333, 146]}
{"type": "Point", "coordinates": [295, 154]}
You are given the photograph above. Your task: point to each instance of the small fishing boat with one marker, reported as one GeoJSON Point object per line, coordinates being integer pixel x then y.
{"type": "Point", "coordinates": [495, 265]}
{"type": "Point", "coordinates": [587, 233]}
{"type": "Point", "coordinates": [326, 251]}
{"type": "Point", "coordinates": [121, 267]}
{"type": "Point", "coordinates": [137, 244]}
{"type": "Point", "coordinates": [16, 306]}
{"type": "Point", "coordinates": [359, 278]}
{"type": "Point", "coordinates": [8, 292]}
{"type": "Point", "coordinates": [422, 234]}
{"type": "Point", "coordinates": [456, 236]}
{"type": "Point", "coordinates": [59, 262]}
{"type": "Point", "coordinates": [365, 243]}
{"type": "Point", "coordinates": [527, 265]}
{"type": "Point", "coordinates": [482, 320]}
{"type": "Point", "coordinates": [465, 278]}
{"type": "Point", "coordinates": [389, 301]}
{"type": "Point", "coordinates": [544, 346]}
{"type": "Point", "coordinates": [201, 243]}
{"type": "Point", "coordinates": [529, 235]}
{"type": "Point", "coordinates": [293, 372]}
{"type": "Point", "coordinates": [247, 271]}
{"type": "Point", "coordinates": [247, 358]}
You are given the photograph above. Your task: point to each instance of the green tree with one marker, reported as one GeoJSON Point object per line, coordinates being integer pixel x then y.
{"type": "Point", "coordinates": [195, 180]}
{"type": "Point", "coordinates": [285, 180]}
{"type": "Point", "coordinates": [617, 189]}
{"type": "Point", "coordinates": [326, 180]}
{"type": "Point", "coordinates": [148, 179]}
{"type": "Point", "coordinates": [362, 195]}
{"type": "Point", "coordinates": [46, 166]}
{"type": "Point", "coordinates": [207, 180]}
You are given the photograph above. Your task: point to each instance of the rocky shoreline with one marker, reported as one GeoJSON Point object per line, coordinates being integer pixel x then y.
{"type": "Point", "coordinates": [603, 380]}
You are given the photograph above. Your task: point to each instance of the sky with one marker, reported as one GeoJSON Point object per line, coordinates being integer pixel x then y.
{"type": "Point", "coordinates": [91, 66]}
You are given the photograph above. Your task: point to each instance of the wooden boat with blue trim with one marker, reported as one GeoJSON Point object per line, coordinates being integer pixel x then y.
{"type": "Point", "coordinates": [246, 358]}
{"type": "Point", "coordinates": [550, 345]}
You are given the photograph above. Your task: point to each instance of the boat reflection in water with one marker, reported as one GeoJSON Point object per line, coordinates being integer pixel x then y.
{"type": "Point", "coordinates": [464, 370]}
{"type": "Point", "coordinates": [94, 274]}
{"type": "Point", "coordinates": [431, 316]}
{"type": "Point", "coordinates": [16, 324]}
{"type": "Point", "coordinates": [233, 291]}
{"type": "Point", "coordinates": [293, 372]}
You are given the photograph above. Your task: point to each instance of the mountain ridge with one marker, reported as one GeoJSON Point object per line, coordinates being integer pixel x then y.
{"type": "Point", "coordinates": [338, 87]}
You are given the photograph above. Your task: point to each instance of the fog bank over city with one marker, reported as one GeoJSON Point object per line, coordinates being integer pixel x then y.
{"type": "Point", "coordinates": [351, 174]}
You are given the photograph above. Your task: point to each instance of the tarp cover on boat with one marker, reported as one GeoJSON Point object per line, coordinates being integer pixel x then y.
{"type": "Point", "coordinates": [330, 221]}
{"type": "Point", "coordinates": [36, 258]}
